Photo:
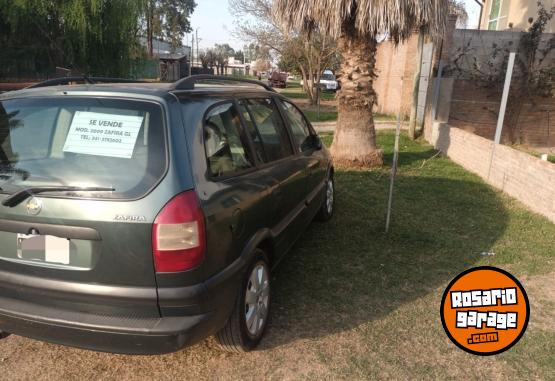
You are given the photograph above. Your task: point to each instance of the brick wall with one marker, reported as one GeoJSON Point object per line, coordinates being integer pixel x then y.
{"type": "Point", "coordinates": [476, 109]}
{"type": "Point", "coordinates": [395, 67]}
{"type": "Point", "coordinates": [520, 175]}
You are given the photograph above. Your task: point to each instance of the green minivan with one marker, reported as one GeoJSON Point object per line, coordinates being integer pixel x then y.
{"type": "Point", "coordinates": [143, 217]}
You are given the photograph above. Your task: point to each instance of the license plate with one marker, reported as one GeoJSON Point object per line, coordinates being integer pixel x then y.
{"type": "Point", "coordinates": [43, 248]}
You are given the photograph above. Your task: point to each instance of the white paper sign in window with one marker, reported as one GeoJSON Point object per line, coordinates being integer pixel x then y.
{"type": "Point", "coordinates": [100, 134]}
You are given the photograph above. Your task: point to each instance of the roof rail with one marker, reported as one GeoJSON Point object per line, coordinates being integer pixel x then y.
{"type": "Point", "coordinates": [83, 79]}
{"type": "Point", "coordinates": [188, 83]}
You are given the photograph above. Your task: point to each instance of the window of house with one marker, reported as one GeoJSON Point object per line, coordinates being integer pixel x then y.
{"type": "Point", "coordinates": [495, 15]}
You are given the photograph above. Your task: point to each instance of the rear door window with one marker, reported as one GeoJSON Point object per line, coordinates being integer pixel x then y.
{"type": "Point", "coordinates": [85, 142]}
{"type": "Point", "coordinates": [253, 132]}
{"type": "Point", "coordinates": [226, 151]}
{"type": "Point", "coordinates": [298, 124]}
{"type": "Point", "coordinates": [266, 127]}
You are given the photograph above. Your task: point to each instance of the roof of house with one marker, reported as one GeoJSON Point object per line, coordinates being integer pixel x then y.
{"type": "Point", "coordinates": [172, 56]}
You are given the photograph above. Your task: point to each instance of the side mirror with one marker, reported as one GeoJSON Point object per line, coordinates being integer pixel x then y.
{"type": "Point", "coordinates": [312, 142]}
{"type": "Point", "coordinates": [316, 142]}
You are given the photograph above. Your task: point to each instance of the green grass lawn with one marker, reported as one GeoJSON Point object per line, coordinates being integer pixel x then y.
{"type": "Point", "coordinates": [369, 301]}
{"type": "Point", "coordinates": [325, 116]}
{"type": "Point", "coordinates": [328, 112]}
{"type": "Point", "coordinates": [351, 302]}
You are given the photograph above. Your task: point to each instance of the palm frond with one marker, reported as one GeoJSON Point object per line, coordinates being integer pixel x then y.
{"type": "Point", "coordinates": [359, 18]}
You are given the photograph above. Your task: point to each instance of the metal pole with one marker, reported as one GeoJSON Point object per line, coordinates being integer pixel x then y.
{"type": "Point", "coordinates": [318, 99]}
{"type": "Point", "coordinates": [393, 170]}
{"type": "Point", "coordinates": [196, 36]}
{"type": "Point", "coordinates": [191, 55]}
{"type": "Point", "coordinates": [503, 107]}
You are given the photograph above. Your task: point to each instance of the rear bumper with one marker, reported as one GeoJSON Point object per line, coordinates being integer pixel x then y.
{"type": "Point", "coordinates": [101, 333]}
{"type": "Point", "coordinates": [189, 315]}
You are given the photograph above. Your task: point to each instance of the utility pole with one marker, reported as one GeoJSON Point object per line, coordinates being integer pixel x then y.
{"type": "Point", "coordinates": [191, 54]}
{"type": "Point", "coordinates": [196, 33]}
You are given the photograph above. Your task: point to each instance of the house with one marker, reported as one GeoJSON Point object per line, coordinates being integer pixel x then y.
{"type": "Point", "coordinates": [236, 67]}
{"type": "Point", "coordinates": [173, 61]}
{"type": "Point", "coordinates": [163, 47]}
{"type": "Point", "coordinates": [173, 66]}
{"type": "Point", "coordinates": [512, 14]}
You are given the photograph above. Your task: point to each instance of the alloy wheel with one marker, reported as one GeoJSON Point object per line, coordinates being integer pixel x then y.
{"type": "Point", "coordinates": [257, 298]}
{"type": "Point", "coordinates": [329, 196]}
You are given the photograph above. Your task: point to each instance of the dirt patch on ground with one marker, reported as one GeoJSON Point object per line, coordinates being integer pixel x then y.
{"type": "Point", "coordinates": [385, 348]}
{"type": "Point", "coordinates": [541, 293]}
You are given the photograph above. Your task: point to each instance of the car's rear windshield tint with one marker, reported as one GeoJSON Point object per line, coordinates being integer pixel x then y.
{"type": "Point", "coordinates": [85, 142]}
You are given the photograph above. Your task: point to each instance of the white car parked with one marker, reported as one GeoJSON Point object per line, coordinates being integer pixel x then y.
{"type": "Point", "coordinates": [327, 81]}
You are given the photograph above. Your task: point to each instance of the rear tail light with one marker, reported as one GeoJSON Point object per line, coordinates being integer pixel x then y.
{"type": "Point", "coordinates": [178, 235]}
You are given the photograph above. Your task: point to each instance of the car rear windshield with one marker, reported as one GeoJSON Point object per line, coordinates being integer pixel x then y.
{"type": "Point", "coordinates": [83, 142]}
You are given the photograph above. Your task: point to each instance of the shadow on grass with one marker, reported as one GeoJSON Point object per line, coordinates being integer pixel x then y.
{"type": "Point", "coordinates": [347, 272]}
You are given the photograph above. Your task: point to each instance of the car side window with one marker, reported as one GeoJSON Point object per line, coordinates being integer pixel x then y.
{"type": "Point", "coordinates": [225, 150]}
{"type": "Point", "coordinates": [299, 126]}
{"type": "Point", "coordinates": [253, 132]}
{"type": "Point", "coordinates": [269, 129]}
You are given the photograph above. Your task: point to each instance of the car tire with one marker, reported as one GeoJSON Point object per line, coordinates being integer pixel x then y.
{"type": "Point", "coordinates": [246, 325]}
{"type": "Point", "coordinates": [328, 206]}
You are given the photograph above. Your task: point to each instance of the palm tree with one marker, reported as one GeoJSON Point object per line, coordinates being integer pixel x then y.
{"type": "Point", "coordinates": [355, 24]}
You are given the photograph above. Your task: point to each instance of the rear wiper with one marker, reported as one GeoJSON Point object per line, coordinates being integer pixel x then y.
{"type": "Point", "coordinates": [6, 172]}
{"type": "Point", "coordinates": [20, 196]}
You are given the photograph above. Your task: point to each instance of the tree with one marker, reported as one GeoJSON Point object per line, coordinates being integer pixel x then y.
{"type": "Point", "coordinates": [239, 56]}
{"type": "Point", "coordinates": [458, 8]}
{"type": "Point", "coordinates": [261, 65]}
{"type": "Point", "coordinates": [167, 20]}
{"type": "Point", "coordinates": [88, 36]}
{"type": "Point", "coordinates": [222, 52]}
{"type": "Point", "coordinates": [356, 23]}
{"type": "Point", "coordinates": [288, 64]}
{"type": "Point", "coordinates": [207, 58]}
{"type": "Point", "coordinates": [311, 52]}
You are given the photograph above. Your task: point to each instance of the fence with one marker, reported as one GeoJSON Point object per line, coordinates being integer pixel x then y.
{"type": "Point", "coordinates": [477, 65]}
{"type": "Point", "coordinates": [13, 69]}
{"type": "Point", "coordinates": [494, 111]}
{"type": "Point", "coordinates": [145, 69]}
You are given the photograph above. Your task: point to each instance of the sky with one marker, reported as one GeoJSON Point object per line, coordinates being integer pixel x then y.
{"type": "Point", "coordinates": [215, 23]}
{"type": "Point", "coordinates": [473, 10]}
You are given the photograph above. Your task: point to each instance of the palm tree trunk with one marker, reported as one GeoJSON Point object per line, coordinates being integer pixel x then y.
{"type": "Point", "coordinates": [354, 143]}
